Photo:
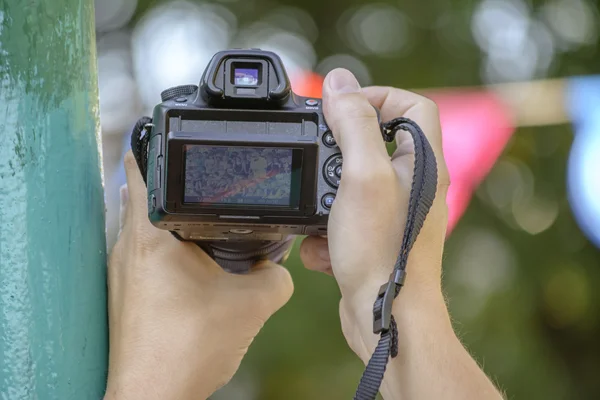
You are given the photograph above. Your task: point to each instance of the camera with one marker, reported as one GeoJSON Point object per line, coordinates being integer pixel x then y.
{"type": "Point", "coordinates": [241, 157]}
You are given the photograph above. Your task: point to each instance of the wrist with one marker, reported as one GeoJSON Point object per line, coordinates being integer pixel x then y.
{"type": "Point", "coordinates": [419, 306]}
{"type": "Point", "coordinates": [148, 385]}
{"type": "Point", "coordinates": [158, 372]}
{"type": "Point", "coordinates": [423, 324]}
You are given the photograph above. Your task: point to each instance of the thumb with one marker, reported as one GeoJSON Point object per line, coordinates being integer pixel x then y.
{"type": "Point", "coordinates": [268, 287]}
{"type": "Point", "coordinates": [353, 121]}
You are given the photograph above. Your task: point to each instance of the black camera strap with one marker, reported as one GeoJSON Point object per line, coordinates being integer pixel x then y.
{"type": "Point", "coordinates": [140, 136]}
{"type": "Point", "coordinates": [422, 193]}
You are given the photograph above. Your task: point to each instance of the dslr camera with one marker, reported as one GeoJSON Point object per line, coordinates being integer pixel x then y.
{"type": "Point", "coordinates": [241, 157]}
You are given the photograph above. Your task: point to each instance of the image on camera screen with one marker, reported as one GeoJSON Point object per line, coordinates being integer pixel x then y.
{"type": "Point", "coordinates": [246, 76]}
{"type": "Point", "coordinates": [238, 175]}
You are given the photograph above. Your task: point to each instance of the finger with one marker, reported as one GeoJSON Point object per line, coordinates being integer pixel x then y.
{"type": "Point", "coordinates": [124, 200]}
{"type": "Point", "coordinates": [269, 285]}
{"type": "Point", "coordinates": [394, 103]}
{"type": "Point", "coordinates": [314, 252]}
{"type": "Point", "coordinates": [136, 188]}
{"type": "Point", "coordinates": [352, 120]}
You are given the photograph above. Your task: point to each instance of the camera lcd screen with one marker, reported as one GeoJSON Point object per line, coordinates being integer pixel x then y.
{"type": "Point", "coordinates": [245, 76]}
{"type": "Point", "coordinates": [242, 175]}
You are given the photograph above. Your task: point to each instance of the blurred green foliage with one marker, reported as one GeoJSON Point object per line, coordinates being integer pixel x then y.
{"type": "Point", "coordinates": [536, 332]}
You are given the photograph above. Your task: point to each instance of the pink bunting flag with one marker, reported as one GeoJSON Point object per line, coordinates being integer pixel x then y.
{"type": "Point", "coordinates": [476, 126]}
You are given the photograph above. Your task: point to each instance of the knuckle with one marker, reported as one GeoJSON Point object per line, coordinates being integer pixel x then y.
{"type": "Point", "coordinates": [430, 105]}
{"type": "Point", "coordinates": [358, 104]}
{"type": "Point", "coordinates": [353, 107]}
{"type": "Point", "coordinates": [305, 251]}
{"type": "Point", "coordinates": [370, 177]}
{"type": "Point", "coordinates": [283, 280]}
{"type": "Point", "coordinates": [282, 289]}
{"type": "Point", "coordinates": [146, 242]}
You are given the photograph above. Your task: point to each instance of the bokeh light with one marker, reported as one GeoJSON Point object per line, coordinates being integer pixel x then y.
{"type": "Point", "coordinates": [296, 52]}
{"type": "Point", "coordinates": [484, 265]}
{"type": "Point", "coordinates": [509, 182]}
{"type": "Point", "coordinates": [349, 62]}
{"type": "Point", "coordinates": [118, 90]}
{"type": "Point", "coordinates": [573, 22]}
{"type": "Point", "coordinates": [510, 189]}
{"type": "Point", "coordinates": [584, 182]}
{"type": "Point", "coordinates": [113, 14]}
{"type": "Point", "coordinates": [567, 295]}
{"type": "Point", "coordinates": [536, 214]}
{"type": "Point", "coordinates": [379, 29]}
{"type": "Point", "coordinates": [584, 162]}
{"type": "Point", "coordinates": [293, 19]}
{"type": "Point", "coordinates": [517, 47]}
{"type": "Point", "coordinates": [173, 43]}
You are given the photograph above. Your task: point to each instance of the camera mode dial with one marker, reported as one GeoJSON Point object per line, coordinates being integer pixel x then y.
{"type": "Point", "coordinates": [332, 170]}
{"type": "Point", "coordinates": [178, 91]}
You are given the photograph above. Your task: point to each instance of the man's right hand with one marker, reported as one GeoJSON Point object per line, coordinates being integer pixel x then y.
{"type": "Point", "coordinates": [365, 230]}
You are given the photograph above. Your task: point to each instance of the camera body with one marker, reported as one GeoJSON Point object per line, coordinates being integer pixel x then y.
{"type": "Point", "coordinates": [241, 157]}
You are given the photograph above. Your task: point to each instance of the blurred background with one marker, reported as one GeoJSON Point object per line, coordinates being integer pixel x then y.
{"type": "Point", "coordinates": [520, 109]}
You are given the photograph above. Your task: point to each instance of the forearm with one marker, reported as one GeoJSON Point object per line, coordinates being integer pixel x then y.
{"type": "Point", "coordinates": [156, 384]}
{"type": "Point", "coordinates": [165, 371]}
{"type": "Point", "coordinates": [431, 361]}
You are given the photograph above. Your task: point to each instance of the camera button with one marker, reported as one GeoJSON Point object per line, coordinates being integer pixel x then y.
{"type": "Point", "coordinates": [241, 231]}
{"type": "Point", "coordinates": [151, 203]}
{"type": "Point", "coordinates": [180, 100]}
{"type": "Point", "coordinates": [328, 139]}
{"type": "Point", "coordinates": [158, 172]}
{"type": "Point", "coordinates": [177, 92]}
{"type": "Point", "coordinates": [332, 170]}
{"type": "Point", "coordinates": [311, 102]}
{"type": "Point", "coordinates": [327, 200]}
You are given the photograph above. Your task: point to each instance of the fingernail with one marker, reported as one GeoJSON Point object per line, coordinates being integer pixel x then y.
{"type": "Point", "coordinates": [342, 81]}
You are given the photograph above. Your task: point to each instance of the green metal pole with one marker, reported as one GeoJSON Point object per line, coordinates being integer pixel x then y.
{"type": "Point", "coordinates": [53, 336]}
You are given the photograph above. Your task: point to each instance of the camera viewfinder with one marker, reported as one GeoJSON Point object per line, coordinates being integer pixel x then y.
{"type": "Point", "coordinates": [245, 79]}
{"type": "Point", "coordinates": [246, 75]}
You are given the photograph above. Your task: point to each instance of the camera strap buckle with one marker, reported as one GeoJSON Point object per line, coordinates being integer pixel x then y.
{"type": "Point", "coordinates": [382, 309]}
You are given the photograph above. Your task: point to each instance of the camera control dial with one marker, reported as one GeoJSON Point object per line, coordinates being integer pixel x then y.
{"type": "Point", "coordinates": [178, 91]}
{"type": "Point", "coordinates": [332, 170]}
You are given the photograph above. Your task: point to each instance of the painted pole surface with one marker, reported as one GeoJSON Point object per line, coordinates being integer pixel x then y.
{"type": "Point", "coordinates": [53, 339]}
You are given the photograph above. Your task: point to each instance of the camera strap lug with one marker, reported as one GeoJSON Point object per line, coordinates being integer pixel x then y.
{"type": "Point", "coordinates": [140, 137]}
